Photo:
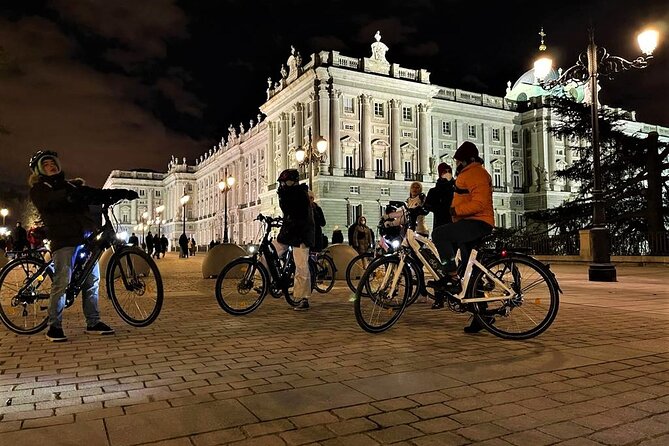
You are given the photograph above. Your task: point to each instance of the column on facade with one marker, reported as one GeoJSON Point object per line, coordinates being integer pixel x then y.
{"type": "Point", "coordinates": [366, 134]}
{"type": "Point", "coordinates": [149, 204]}
{"type": "Point", "coordinates": [283, 140]}
{"type": "Point", "coordinates": [424, 137]}
{"type": "Point", "coordinates": [508, 151]}
{"type": "Point", "coordinates": [485, 150]}
{"type": "Point", "coordinates": [395, 156]}
{"type": "Point", "coordinates": [134, 218]}
{"type": "Point", "coordinates": [299, 124]}
{"type": "Point", "coordinates": [270, 154]}
{"type": "Point", "coordinates": [335, 138]}
{"type": "Point", "coordinates": [323, 125]}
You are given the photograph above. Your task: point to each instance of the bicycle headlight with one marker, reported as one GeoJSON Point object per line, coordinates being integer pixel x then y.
{"type": "Point", "coordinates": [395, 244]}
{"type": "Point", "coordinates": [122, 235]}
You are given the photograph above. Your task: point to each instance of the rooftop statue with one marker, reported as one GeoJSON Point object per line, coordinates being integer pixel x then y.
{"type": "Point", "coordinates": [379, 49]}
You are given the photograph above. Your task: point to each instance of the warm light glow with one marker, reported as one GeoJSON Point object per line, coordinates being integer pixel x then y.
{"type": "Point", "coordinates": [230, 181]}
{"type": "Point", "coordinates": [3, 230]}
{"type": "Point", "coordinates": [160, 209]}
{"type": "Point", "coordinates": [185, 199]}
{"type": "Point", "coordinates": [648, 41]}
{"type": "Point", "coordinates": [321, 145]}
{"type": "Point", "coordinates": [300, 154]}
{"type": "Point", "coordinates": [145, 215]}
{"type": "Point", "coordinates": [542, 67]}
{"type": "Point", "coordinates": [122, 235]}
{"type": "Point", "coordinates": [4, 212]}
{"type": "Point", "coordinates": [221, 185]}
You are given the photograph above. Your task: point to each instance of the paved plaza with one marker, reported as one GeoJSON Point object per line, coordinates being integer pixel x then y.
{"type": "Point", "coordinates": [197, 376]}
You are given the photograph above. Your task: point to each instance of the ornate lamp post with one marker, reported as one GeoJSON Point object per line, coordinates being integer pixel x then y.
{"type": "Point", "coordinates": [145, 218]}
{"type": "Point", "coordinates": [225, 186]}
{"type": "Point", "coordinates": [184, 200]}
{"type": "Point", "coordinates": [592, 64]}
{"type": "Point", "coordinates": [311, 155]}
{"type": "Point", "coordinates": [4, 212]}
{"type": "Point", "coordinates": [159, 210]}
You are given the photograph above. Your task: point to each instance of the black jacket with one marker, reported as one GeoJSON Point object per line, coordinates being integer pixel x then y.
{"type": "Point", "coordinates": [337, 236]}
{"type": "Point", "coordinates": [319, 222]}
{"type": "Point", "coordinates": [298, 217]}
{"type": "Point", "coordinates": [64, 208]}
{"type": "Point", "coordinates": [439, 200]}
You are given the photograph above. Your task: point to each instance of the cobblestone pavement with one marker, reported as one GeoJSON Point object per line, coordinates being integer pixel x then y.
{"type": "Point", "coordinates": [197, 376]}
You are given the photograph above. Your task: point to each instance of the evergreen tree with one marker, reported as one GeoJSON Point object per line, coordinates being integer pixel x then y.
{"type": "Point", "coordinates": [634, 171]}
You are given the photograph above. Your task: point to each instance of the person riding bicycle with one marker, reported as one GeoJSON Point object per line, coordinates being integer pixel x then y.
{"type": "Point", "coordinates": [298, 231]}
{"type": "Point", "coordinates": [473, 218]}
{"type": "Point", "coordinates": [64, 207]}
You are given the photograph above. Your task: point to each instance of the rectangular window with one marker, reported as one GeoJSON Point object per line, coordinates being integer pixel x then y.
{"type": "Point", "coordinates": [354, 189]}
{"type": "Point", "coordinates": [446, 127]}
{"type": "Point", "coordinates": [516, 179]}
{"type": "Point", "coordinates": [349, 126]}
{"type": "Point", "coordinates": [495, 134]}
{"type": "Point", "coordinates": [353, 211]}
{"type": "Point", "coordinates": [379, 166]}
{"type": "Point", "coordinates": [349, 164]}
{"type": "Point", "coordinates": [378, 110]}
{"type": "Point", "coordinates": [408, 167]}
{"type": "Point", "coordinates": [348, 105]}
{"type": "Point", "coordinates": [471, 131]}
{"type": "Point", "coordinates": [157, 193]}
{"type": "Point", "coordinates": [407, 114]}
{"type": "Point", "coordinates": [385, 191]}
{"type": "Point", "coordinates": [407, 133]}
{"type": "Point", "coordinates": [309, 109]}
{"type": "Point", "coordinates": [497, 176]}
{"type": "Point", "coordinates": [514, 137]}
{"type": "Point", "coordinates": [142, 192]}
{"type": "Point", "coordinates": [292, 119]}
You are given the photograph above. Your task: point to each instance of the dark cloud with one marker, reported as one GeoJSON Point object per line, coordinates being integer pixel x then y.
{"type": "Point", "coordinates": [329, 42]}
{"type": "Point", "coordinates": [426, 49]}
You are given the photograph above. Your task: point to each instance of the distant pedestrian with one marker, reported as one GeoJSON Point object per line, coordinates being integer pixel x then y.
{"type": "Point", "coordinates": [192, 246]}
{"type": "Point", "coordinates": [361, 236]}
{"type": "Point", "coordinates": [183, 245]}
{"type": "Point", "coordinates": [20, 237]}
{"type": "Point", "coordinates": [149, 243]}
{"type": "Point", "coordinates": [133, 240]}
{"type": "Point", "coordinates": [164, 243]}
{"type": "Point", "coordinates": [337, 236]}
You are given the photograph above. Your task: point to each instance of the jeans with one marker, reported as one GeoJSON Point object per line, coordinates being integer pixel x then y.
{"type": "Point", "coordinates": [63, 259]}
{"type": "Point", "coordinates": [302, 279]}
{"type": "Point", "coordinates": [451, 236]}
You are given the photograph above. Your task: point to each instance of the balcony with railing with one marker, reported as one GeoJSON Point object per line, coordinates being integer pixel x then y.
{"type": "Point", "coordinates": [384, 175]}
{"type": "Point", "coordinates": [410, 176]}
{"type": "Point", "coordinates": [499, 188]}
{"type": "Point", "coordinates": [360, 173]}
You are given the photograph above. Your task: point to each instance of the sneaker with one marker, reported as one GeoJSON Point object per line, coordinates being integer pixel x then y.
{"type": "Point", "coordinates": [55, 334]}
{"type": "Point", "coordinates": [100, 329]}
{"type": "Point", "coordinates": [476, 326]}
{"type": "Point", "coordinates": [302, 306]}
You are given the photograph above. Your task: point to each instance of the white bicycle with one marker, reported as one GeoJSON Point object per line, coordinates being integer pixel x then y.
{"type": "Point", "coordinates": [513, 295]}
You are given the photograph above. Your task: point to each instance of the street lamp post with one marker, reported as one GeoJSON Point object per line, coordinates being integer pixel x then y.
{"type": "Point", "coordinates": [592, 64]}
{"type": "Point", "coordinates": [225, 186]}
{"type": "Point", "coordinates": [159, 210]}
{"type": "Point", "coordinates": [4, 212]}
{"type": "Point", "coordinates": [311, 155]}
{"type": "Point", "coordinates": [145, 217]}
{"type": "Point", "coordinates": [184, 200]}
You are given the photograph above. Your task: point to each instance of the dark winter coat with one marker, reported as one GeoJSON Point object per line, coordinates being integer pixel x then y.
{"type": "Point", "coordinates": [150, 241]}
{"type": "Point", "coordinates": [319, 222]}
{"type": "Point", "coordinates": [298, 217]}
{"type": "Point", "coordinates": [439, 200]}
{"type": "Point", "coordinates": [337, 236]}
{"type": "Point", "coordinates": [64, 208]}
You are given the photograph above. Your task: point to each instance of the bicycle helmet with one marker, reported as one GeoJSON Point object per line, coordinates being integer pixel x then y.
{"type": "Point", "coordinates": [289, 175]}
{"type": "Point", "coordinates": [35, 162]}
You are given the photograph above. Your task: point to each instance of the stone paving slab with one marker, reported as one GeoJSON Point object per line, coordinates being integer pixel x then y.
{"type": "Point", "coordinates": [197, 376]}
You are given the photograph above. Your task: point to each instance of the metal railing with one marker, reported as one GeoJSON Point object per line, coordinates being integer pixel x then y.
{"type": "Point", "coordinates": [640, 244]}
{"type": "Point", "coordinates": [360, 173]}
{"type": "Point", "coordinates": [409, 176]}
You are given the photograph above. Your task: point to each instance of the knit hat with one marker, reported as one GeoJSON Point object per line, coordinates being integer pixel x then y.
{"type": "Point", "coordinates": [443, 168]}
{"type": "Point", "coordinates": [466, 152]}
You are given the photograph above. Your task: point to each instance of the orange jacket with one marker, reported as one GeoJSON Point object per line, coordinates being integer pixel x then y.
{"type": "Point", "coordinates": [473, 195]}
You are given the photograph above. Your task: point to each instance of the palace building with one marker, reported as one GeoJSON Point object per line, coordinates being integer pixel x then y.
{"type": "Point", "coordinates": [386, 126]}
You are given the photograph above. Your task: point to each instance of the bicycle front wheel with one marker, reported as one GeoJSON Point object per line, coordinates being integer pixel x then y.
{"type": "Point", "coordinates": [325, 274]}
{"type": "Point", "coordinates": [135, 287]}
{"type": "Point", "coordinates": [25, 287]}
{"type": "Point", "coordinates": [382, 294]}
{"type": "Point", "coordinates": [241, 286]}
{"type": "Point", "coordinates": [356, 268]}
{"type": "Point", "coordinates": [532, 307]}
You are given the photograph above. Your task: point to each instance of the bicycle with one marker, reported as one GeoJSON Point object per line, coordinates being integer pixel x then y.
{"type": "Point", "coordinates": [244, 283]}
{"type": "Point", "coordinates": [496, 288]}
{"type": "Point", "coordinates": [133, 282]}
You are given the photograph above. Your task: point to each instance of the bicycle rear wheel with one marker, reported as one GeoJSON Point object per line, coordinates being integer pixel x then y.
{"type": "Point", "coordinates": [532, 307]}
{"type": "Point", "coordinates": [378, 305]}
{"type": "Point", "coordinates": [135, 287]}
{"type": "Point", "coordinates": [241, 286]}
{"type": "Point", "coordinates": [356, 268]}
{"type": "Point", "coordinates": [325, 274]}
{"type": "Point", "coordinates": [25, 312]}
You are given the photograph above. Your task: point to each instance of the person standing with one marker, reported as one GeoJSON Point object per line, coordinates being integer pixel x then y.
{"type": "Point", "coordinates": [164, 243]}
{"type": "Point", "coordinates": [417, 199]}
{"type": "Point", "coordinates": [20, 237]}
{"type": "Point", "coordinates": [361, 236]}
{"type": "Point", "coordinates": [64, 208]}
{"type": "Point", "coordinates": [183, 244]}
{"type": "Point", "coordinates": [337, 235]}
{"type": "Point", "coordinates": [319, 222]}
{"type": "Point", "coordinates": [298, 230]}
{"type": "Point", "coordinates": [149, 243]}
{"type": "Point", "coordinates": [440, 197]}
{"type": "Point", "coordinates": [133, 240]}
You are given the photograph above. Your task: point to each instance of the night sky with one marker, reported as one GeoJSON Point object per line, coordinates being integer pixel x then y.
{"type": "Point", "coordinates": [126, 84]}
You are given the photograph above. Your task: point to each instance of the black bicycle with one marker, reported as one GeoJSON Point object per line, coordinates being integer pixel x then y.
{"type": "Point", "coordinates": [133, 282]}
{"type": "Point", "coordinates": [244, 283]}
{"type": "Point", "coordinates": [322, 271]}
